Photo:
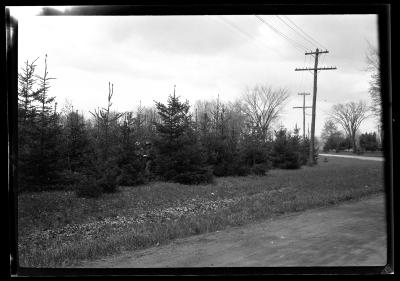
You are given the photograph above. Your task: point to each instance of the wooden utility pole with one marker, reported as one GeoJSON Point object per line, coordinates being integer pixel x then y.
{"type": "Point", "coordinates": [316, 68]}
{"type": "Point", "coordinates": [304, 112]}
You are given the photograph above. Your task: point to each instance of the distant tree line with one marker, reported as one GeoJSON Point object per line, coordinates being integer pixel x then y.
{"type": "Point", "coordinates": [61, 149]}
{"type": "Point", "coordinates": [349, 117]}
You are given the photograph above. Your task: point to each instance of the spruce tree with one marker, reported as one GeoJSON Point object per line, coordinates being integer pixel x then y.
{"type": "Point", "coordinates": [285, 150]}
{"type": "Point", "coordinates": [45, 164]}
{"type": "Point", "coordinates": [105, 165]}
{"type": "Point", "coordinates": [131, 160]}
{"type": "Point", "coordinates": [178, 154]}
{"type": "Point", "coordinates": [27, 93]}
{"type": "Point", "coordinates": [38, 130]}
{"type": "Point", "coordinates": [106, 121]}
{"type": "Point", "coordinates": [78, 147]}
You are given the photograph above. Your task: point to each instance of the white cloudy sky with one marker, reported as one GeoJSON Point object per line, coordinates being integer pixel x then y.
{"type": "Point", "coordinates": [144, 56]}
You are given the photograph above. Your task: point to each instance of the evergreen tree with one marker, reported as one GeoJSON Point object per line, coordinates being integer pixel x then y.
{"type": "Point", "coordinates": [106, 124]}
{"type": "Point", "coordinates": [285, 151]}
{"type": "Point", "coordinates": [27, 93]}
{"type": "Point", "coordinates": [334, 141]}
{"type": "Point", "coordinates": [131, 160]}
{"type": "Point", "coordinates": [77, 146]}
{"type": "Point", "coordinates": [105, 164]}
{"type": "Point", "coordinates": [47, 164]}
{"type": "Point", "coordinates": [368, 141]}
{"type": "Point", "coordinates": [219, 134]}
{"type": "Point", "coordinates": [39, 131]}
{"type": "Point", "coordinates": [178, 156]}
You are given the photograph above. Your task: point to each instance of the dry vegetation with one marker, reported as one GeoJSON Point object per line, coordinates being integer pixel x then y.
{"type": "Point", "coordinates": [58, 229]}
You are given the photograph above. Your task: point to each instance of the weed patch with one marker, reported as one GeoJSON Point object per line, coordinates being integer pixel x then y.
{"type": "Point", "coordinates": [58, 229]}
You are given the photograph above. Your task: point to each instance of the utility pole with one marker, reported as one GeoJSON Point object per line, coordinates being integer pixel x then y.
{"type": "Point", "coordinates": [316, 68]}
{"type": "Point", "coordinates": [304, 112]}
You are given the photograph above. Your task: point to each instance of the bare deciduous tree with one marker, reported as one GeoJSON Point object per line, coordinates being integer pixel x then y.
{"type": "Point", "coordinates": [329, 129]}
{"type": "Point", "coordinates": [262, 106]}
{"type": "Point", "coordinates": [350, 116]}
{"type": "Point", "coordinates": [373, 66]}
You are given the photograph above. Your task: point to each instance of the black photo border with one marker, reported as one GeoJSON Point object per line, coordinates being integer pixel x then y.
{"type": "Point", "coordinates": [90, 8]}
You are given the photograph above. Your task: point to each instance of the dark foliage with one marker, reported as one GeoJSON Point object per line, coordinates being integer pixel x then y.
{"type": "Point", "coordinates": [231, 169]}
{"type": "Point", "coordinates": [94, 156]}
{"type": "Point", "coordinates": [38, 132]}
{"type": "Point", "coordinates": [259, 169]}
{"type": "Point", "coordinates": [87, 186]}
{"type": "Point", "coordinates": [178, 156]}
{"type": "Point", "coordinates": [337, 142]}
{"type": "Point", "coordinates": [305, 151]}
{"type": "Point", "coordinates": [368, 142]}
{"type": "Point", "coordinates": [286, 150]}
{"type": "Point", "coordinates": [199, 177]}
{"type": "Point", "coordinates": [107, 179]}
{"type": "Point", "coordinates": [131, 151]}
{"type": "Point", "coordinates": [228, 161]}
{"type": "Point", "coordinates": [131, 175]}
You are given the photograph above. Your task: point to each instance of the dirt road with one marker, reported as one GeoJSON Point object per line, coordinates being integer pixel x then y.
{"type": "Point", "coordinates": [350, 234]}
{"type": "Point", "coordinates": [353, 157]}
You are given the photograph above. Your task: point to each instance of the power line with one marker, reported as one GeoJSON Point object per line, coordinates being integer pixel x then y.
{"type": "Point", "coordinates": [302, 74]}
{"type": "Point", "coordinates": [298, 33]}
{"type": "Point", "coordinates": [297, 45]}
{"type": "Point", "coordinates": [301, 30]}
{"type": "Point", "coordinates": [237, 28]}
{"type": "Point", "coordinates": [245, 33]}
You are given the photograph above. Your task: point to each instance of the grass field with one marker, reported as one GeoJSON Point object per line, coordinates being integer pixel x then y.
{"type": "Point", "coordinates": [56, 229]}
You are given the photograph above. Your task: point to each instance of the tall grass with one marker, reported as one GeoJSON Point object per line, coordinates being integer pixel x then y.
{"type": "Point", "coordinates": [57, 229]}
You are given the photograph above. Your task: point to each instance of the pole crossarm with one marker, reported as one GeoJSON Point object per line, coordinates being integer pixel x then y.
{"type": "Point", "coordinates": [304, 107]}
{"type": "Point", "coordinates": [317, 52]}
{"type": "Point", "coordinates": [315, 69]}
{"type": "Point", "coordinates": [318, 68]}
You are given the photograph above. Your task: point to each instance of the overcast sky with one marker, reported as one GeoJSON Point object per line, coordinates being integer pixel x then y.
{"type": "Point", "coordinates": [145, 56]}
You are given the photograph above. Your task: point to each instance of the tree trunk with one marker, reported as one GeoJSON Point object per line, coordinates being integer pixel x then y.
{"type": "Point", "coordinates": [354, 143]}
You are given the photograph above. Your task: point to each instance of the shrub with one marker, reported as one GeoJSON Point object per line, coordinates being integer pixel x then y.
{"type": "Point", "coordinates": [220, 170]}
{"type": "Point", "coordinates": [291, 161]}
{"type": "Point", "coordinates": [170, 174]}
{"type": "Point", "coordinates": [259, 169]}
{"type": "Point", "coordinates": [87, 186]}
{"type": "Point", "coordinates": [242, 171]}
{"type": "Point", "coordinates": [68, 180]}
{"type": "Point", "coordinates": [197, 177]}
{"type": "Point", "coordinates": [335, 141]}
{"type": "Point", "coordinates": [255, 152]}
{"type": "Point", "coordinates": [359, 151]}
{"type": "Point", "coordinates": [128, 179]}
{"type": "Point", "coordinates": [286, 151]}
{"type": "Point", "coordinates": [130, 176]}
{"type": "Point", "coordinates": [368, 141]}
{"type": "Point", "coordinates": [108, 182]}
{"type": "Point", "coordinates": [233, 168]}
